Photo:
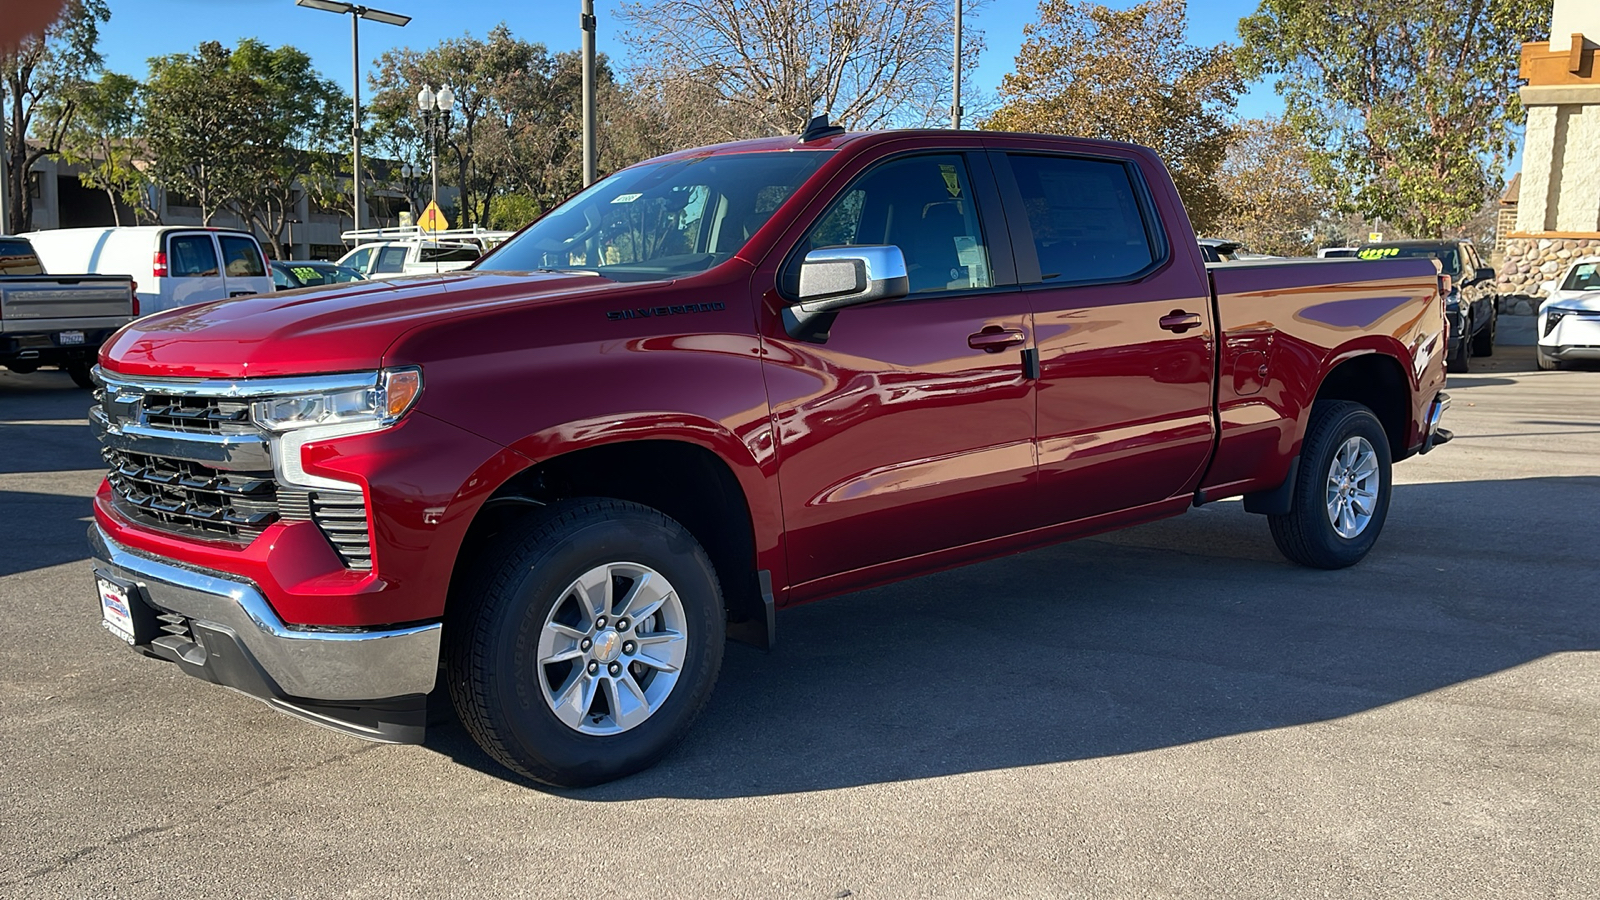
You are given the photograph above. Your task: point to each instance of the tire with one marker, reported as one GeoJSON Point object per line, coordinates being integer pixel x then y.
{"type": "Point", "coordinates": [1547, 362]}
{"type": "Point", "coordinates": [526, 605]}
{"type": "Point", "coordinates": [1307, 534]}
{"type": "Point", "coordinates": [80, 375]}
{"type": "Point", "coordinates": [1483, 341]}
{"type": "Point", "coordinates": [1460, 361]}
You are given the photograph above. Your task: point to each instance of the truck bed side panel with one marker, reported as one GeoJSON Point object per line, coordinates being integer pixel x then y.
{"type": "Point", "coordinates": [1285, 326]}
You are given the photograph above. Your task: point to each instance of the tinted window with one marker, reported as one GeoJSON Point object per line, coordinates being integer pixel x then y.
{"type": "Point", "coordinates": [923, 205]}
{"type": "Point", "coordinates": [17, 258]}
{"type": "Point", "coordinates": [191, 256]}
{"type": "Point", "coordinates": [243, 257]}
{"type": "Point", "coordinates": [391, 260]}
{"type": "Point", "coordinates": [450, 254]}
{"type": "Point", "coordinates": [1085, 215]}
{"type": "Point", "coordinates": [1449, 259]}
{"type": "Point", "coordinates": [661, 220]}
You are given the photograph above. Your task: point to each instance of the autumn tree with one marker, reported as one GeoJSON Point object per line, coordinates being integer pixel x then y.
{"type": "Point", "coordinates": [41, 73]}
{"type": "Point", "coordinates": [1410, 109]}
{"type": "Point", "coordinates": [725, 69]}
{"type": "Point", "coordinates": [1273, 204]}
{"type": "Point", "coordinates": [1128, 75]}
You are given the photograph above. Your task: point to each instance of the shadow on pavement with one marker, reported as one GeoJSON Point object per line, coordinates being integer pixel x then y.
{"type": "Point", "coordinates": [1181, 631]}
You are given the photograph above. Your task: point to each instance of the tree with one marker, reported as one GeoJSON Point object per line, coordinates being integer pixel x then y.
{"type": "Point", "coordinates": [1128, 75]}
{"type": "Point", "coordinates": [102, 142]}
{"type": "Point", "coordinates": [1273, 204]}
{"type": "Point", "coordinates": [728, 69]}
{"type": "Point", "coordinates": [1409, 109]}
{"type": "Point", "coordinates": [42, 71]}
{"type": "Point", "coordinates": [202, 119]}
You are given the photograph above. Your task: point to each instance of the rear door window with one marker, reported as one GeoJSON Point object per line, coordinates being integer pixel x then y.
{"type": "Point", "coordinates": [243, 257]}
{"type": "Point", "coordinates": [391, 260]}
{"type": "Point", "coordinates": [1086, 218]}
{"type": "Point", "coordinates": [192, 256]}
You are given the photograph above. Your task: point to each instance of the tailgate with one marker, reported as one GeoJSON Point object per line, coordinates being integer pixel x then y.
{"type": "Point", "coordinates": [33, 299]}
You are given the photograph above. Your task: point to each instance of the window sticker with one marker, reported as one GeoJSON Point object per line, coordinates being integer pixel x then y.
{"type": "Point", "coordinates": [973, 259]}
{"type": "Point", "coordinates": [626, 198]}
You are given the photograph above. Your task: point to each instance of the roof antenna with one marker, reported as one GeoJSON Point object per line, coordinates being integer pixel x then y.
{"type": "Point", "coordinates": [818, 128]}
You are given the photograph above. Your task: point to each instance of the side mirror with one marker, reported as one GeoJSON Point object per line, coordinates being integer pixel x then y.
{"type": "Point", "coordinates": [836, 277]}
{"type": "Point", "coordinates": [1484, 273]}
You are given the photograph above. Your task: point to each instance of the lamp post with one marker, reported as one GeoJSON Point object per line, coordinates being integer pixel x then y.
{"type": "Point", "coordinates": [955, 100]}
{"type": "Point", "coordinates": [587, 23]}
{"type": "Point", "coordinates": [356, 14]}
{"type": "Point", "coordinates": [434, 109]}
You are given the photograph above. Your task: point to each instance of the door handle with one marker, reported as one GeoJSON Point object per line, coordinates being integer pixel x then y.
{"type": "Point", "coordinates": [1179, 321]}
{"type": "Point", "coordinates": [993, 341]}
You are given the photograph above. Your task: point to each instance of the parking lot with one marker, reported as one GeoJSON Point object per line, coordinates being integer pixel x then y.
{"type": "Point", "coordinates": [1168, 711]}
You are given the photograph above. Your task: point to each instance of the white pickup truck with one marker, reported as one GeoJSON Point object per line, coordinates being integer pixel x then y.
{"type": "Point", "coordinates": [56, 320]}
{"type": "Point", "coordinates": [392, 252]}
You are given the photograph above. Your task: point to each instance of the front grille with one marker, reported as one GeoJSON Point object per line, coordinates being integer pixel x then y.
{"type": "Point", "coordinates": [197, 415]}
{"type": "Point", "coordinates": [190, 498]}
{"type": "Point", "coordinates": [342, 517]}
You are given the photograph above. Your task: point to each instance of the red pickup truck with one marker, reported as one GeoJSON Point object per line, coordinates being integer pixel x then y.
{"type": "Point", "coordinates": [715, 384]}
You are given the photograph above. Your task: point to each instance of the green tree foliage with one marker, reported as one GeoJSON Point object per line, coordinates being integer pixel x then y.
{"type": "Point", "coordinates": [1128, 75]}
{"type": "Point", "coordinates": [41, 74]}
{"type": "Point", "coordinates": [101, 140]}
{"type": "Point", "coordinates": [232, 129]}
{"type": "Point", "coordinates": [1410, 109]}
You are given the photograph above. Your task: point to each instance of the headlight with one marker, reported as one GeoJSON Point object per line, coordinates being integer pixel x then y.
{"type": "Point", "coordinates": [1553, 315]}
{"type": "Point", "coordinates": [381, 403]}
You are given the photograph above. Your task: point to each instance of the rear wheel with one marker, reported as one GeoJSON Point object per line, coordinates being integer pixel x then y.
{"type": "Point", "coordinates": [588, 642]}
{"type": "Point", "coordinates": [1341, 493]}
{"type": "Point", "coordinates": [80, 375]}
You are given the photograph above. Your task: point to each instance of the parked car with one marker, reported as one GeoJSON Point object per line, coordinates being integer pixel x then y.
{"type": "Point", "coordinates": [56, 320]}
{"type": "Point", "coordinates": [1219, 250]}
{"type": "Point", "coordinates": [715, 384]}
{"type": "Point", "coordinates": [1473, 302]}
{"type": "Point", "coordinates": [390, 259]}
{"type": "Point", "coordinates": [1569, 317]}
{"type": "Point", "coordinates": [299, 273]}
{"type": "Point", "coordinates": [171, 265]}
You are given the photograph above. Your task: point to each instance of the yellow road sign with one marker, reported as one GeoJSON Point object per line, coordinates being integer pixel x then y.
{"type": "Point", "coordinates": [1374, 236]}
{"type": "Point", "coordinates": [432, 219]}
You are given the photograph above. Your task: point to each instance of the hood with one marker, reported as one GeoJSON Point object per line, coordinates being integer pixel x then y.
{"type": "Point", "coordinates": [1586, 300]}
{"type": "Point", "coordinates": [336, 328]}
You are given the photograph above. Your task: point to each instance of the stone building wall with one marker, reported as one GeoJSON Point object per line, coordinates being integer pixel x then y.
{"type": "Point", "coordinates": [1530, 261]}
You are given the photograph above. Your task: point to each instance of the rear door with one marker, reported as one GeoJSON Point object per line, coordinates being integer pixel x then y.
{"type": "Point", "coordinates": [901, 434]}
{"type": "Point", "coordinates": [1123, 326]}
{"type": "Point", "coordinates": [243, 266]}
{"type": "Point", "coordinates": [194, 269]}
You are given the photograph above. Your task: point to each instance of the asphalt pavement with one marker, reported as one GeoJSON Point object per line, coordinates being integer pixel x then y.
{"type": "Point", "coordinates": [1169, 711]}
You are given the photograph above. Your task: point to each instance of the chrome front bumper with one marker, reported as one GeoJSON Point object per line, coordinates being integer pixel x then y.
{"type": "Point", "coordinates": [324, 666]}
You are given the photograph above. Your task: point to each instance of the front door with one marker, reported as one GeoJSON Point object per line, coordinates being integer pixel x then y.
{"type": "Point", "coordinates": [1123, 324]}
{"type": "Point", "coordinates": [910, 430]}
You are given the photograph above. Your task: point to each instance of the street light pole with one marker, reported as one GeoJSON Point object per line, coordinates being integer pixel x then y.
{"type": "Point", "coordinates": [435, 112]}
{"type": "Point", "coordinates": [356, 12]}
{"type": "Point", "coordinates": [588, 23]}
{"type": "Point", "coordinates": [955, 105]}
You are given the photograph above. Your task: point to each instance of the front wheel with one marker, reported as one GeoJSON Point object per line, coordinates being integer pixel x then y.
{"type": "Point", "coordinates": [1483, 343]}
{"type": "Point", "coordinates": [588, 643]}
{"type": "Point", "coordinates": [1460, 361]}
{"type": "Point", "coordinates": [1341, 493]}
{"type": "Point", "coordinates": [1547, 362]}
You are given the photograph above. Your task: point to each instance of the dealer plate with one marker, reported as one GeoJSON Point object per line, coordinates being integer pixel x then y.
{"type": "Point", "coordinates": [69, 337]}
{"type": "Point", "coordinates": [116, 614]}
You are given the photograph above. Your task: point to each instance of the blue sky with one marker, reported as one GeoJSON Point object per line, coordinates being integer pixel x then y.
{"type": "Point", "coordinates": [140, 29]}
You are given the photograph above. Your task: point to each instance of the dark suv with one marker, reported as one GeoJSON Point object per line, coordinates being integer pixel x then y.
{"type": "Point", "coordinates": [1471, 305]}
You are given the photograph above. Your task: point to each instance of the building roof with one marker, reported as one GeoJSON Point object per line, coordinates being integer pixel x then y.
{"type": "Point", "coordinates": [1509, 198]}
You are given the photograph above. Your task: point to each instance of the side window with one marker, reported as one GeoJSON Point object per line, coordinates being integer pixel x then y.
{"type": "Point", "coordinates": [1085, 216]}
{"type": "Point", "coordinates": [359, 260]}
{"type": "Point", "coordinates": [191, 256]}
{"type": "Point", "coordinates": [924, 206]}
{"type": "Point", "coordinates": [280, 280]}
{"type": "Point", "coordinates": [243, 257]}
{"type": "Point", "coordinates": [391, 260]}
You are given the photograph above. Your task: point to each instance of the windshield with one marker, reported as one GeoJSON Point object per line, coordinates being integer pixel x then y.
{"type": "Point", "coordinates": [1583, 277]}
{"type": "Point", "coordinates": [310, 276]}
{"type": "Point", "coordinates": [661, 220]}
{"type": "Point", "coordinates": [1449, 259]}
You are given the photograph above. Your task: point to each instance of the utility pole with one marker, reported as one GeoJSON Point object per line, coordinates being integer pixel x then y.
{"type": "Point", "coordinates": [955, 102]}
{"type": "Point", "coordinates": [587, 22]}
{"type": "Point", "coordinates": [355, 117]}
